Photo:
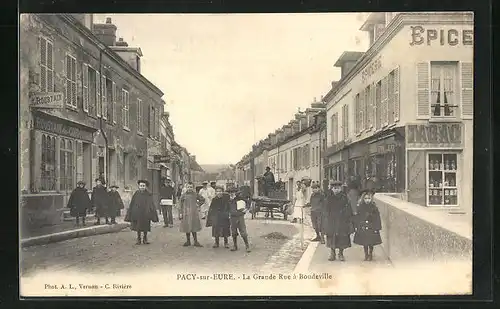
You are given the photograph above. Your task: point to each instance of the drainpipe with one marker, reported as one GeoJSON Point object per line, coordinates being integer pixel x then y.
{"type": "Point", "coordinates": [101, 124]}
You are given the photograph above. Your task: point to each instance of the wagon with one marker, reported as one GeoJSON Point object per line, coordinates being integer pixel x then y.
{"type": "Point", "coordinates": [269, 206]}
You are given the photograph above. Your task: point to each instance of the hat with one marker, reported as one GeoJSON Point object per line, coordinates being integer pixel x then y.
{"type": "Point", "coordinates": [268, 168]}
{"type": "Point", "coordinates": [335, 183]}
{"type": "Point", "coordinates": [367, 191]}
{"type": "Point", "coordinates": [81, 182]}
{"type": "Point", "coordinates": [213, 182]}
{"type": "Point", "coordinates": [232, 190]}
{"type": "Point", "coordinates": [204, 182]}
{"type": "Point", "coordinates": [114, 186]}
{"type": "Point", "coordinates": [143, 181]}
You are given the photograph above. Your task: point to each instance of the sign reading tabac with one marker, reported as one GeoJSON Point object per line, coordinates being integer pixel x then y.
{"type": "Point", "coordinates": [46, 100]}
{"type": "Point", "coordinates": [434, 135]}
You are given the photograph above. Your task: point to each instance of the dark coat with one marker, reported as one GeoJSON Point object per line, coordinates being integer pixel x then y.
{"type": "Point", "coordinates": [218, 216]}
{"type": "Point", "coordinates": [269, 179]}
{"type": "Point", "coordinates": [79, 202]}
{"type": "Point", "coordinates": [115, 204]}
{"type": "Point", "coordinates": [141, 211]}
{"type": "Point", "coordinates": [338, 215]}
{"type": "Point", "coordinates": [168, 192]}
{"type": "Point", "coordinates": [100, 200]}
{"type": "Point", "coordinates": [367, 225]}
{"type": "Point", "coordinates": [190, 203]}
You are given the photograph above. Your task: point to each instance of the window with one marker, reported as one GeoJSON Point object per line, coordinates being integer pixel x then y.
{"type": "Point", "coordinates": [443, 94]}
{"type": "Point", "coordinates": [104, 94]}
{"type": "Point", "coordinates": [383, 106]}
{"type": "Point", "coordinates": [98, 94]}
{"type": "Point", "coordinates": [345, 122]}
{"type": "Point", "coordinates": [139, 116]}
{"type": "Point", "coordinates": [110, 95]}
{"type": "Point", "coordinates": [66, 164]}
{"type": "Point", "coordinates": [357, 122]}
{"type": "Point", "coordinates": [48, 164]}
{"type": "Point", "coordinates": [335, 128]}
{"type": "Point", "coordinates": [286, 161]}
{"type": "Point", "coordinates": [92, 75]}
{"type": "Point", "coordinates": [79, 161]}
{"type": "Point", "coordinates": [152, 118]}
{"type": "Point", "coordinates": [70, 87]}
{"type": "Point", "coordinates": [378, 105]}
{"type": "Point", "coordinates": [442, 179]}
{"type": "Point", "coordinates": [113, 105]}
{"type": "Point", "coordinates": [393, 105]}
{"type": "Point", "coordinates": [125, 109]}
{"type": "Point", "coordinates": [46, 65]}
{"type": "Point", "coordinates": [367, 106]}
{"type": "Point", "coordinates": [85, 86]}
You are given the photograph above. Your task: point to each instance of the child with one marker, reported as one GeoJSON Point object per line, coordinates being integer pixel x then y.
{"type": "Point", "coordinates": [79, 203]}
{"type": "Point", "coordinates": [317, 204]}
{"type": "Point", "coordinates": [141, 212]}
{"type": "Point", "coordinates": [115, 204]}
{"type": "Point", "coordinates": [218, 217]}
{"type": "Point", "coordinates": [237, 220]}
{"type": "Point", "coordinates": [368, 224]}
{"type": "Point", "coordinates": [190, 203]}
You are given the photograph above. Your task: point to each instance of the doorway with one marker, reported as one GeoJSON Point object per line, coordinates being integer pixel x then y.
{"type": "Point", "coordinates": [100, 168]}
{"type": "Point", "coordinates": [291, 186]}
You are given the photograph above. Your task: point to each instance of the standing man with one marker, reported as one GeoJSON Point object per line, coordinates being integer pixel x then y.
{"type": "Point", "coordinates": [141, 212]}
{"type": "Point", "coordinates": [208, 193]}
{"type": "Point", "coordinates": [337, 224]}
{"type": "Point", "coordinates": [115, 204]}
{"type": "Point", "coordinates": [268, 181]}
{"type": "Point", "coordinates": [190, 203]}
{"type": "Point", "coordinates": [100, 201]}
{"type": "Point", "coordinates": [167, 200]}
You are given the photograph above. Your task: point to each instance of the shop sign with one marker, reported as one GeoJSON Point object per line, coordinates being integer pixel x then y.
{"type": "Point", "coordinates": [434, 135]}
{"type": "Point", "coordinates": [47, 100]}
{"type": "Point", "coordinates": [451, 37]}
{"type": "Point", "coordinates": [62, 129]}
{"type": "Point", "coordinates": [161, 159]}
{"type": "Point", "coordinates": [371, 69]}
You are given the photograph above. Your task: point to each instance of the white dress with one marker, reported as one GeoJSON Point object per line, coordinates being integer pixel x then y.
{"type": "Point", "coordinates": [299, 205]}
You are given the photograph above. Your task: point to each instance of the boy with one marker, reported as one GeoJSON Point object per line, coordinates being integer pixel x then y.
{"type": "Point", "coordinates": [317, 205]}
{"type": "Point", "coordinates": [115, 204]}
{"type": "Point", "coordinates": [237, 220]}
{"type": "Point", "coordinates": [141, 212]}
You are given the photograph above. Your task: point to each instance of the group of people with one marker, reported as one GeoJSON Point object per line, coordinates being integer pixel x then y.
{"type": "Point", "coordinates": [339, 212]}
{"type": "Point", "coordinates": [106, 203]}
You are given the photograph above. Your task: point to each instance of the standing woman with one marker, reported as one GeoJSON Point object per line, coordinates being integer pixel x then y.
{"type": "Point", "coordinates": [218, 217]}
{"type": "Point", "coordinates": [300, 202]}
{"type": "Point", "coordinates": [141, 212]}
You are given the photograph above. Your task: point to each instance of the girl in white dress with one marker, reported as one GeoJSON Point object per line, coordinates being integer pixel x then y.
{"type": "Point", "coordinates": [300, 202]}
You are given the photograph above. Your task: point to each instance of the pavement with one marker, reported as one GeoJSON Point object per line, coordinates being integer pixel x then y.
{"type": "Point", "coordinates": [117, 253]}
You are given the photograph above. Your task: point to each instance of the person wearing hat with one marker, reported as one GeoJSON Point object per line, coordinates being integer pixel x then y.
{"type": "Point", "coordinates": [317, 205]}
{"type": "Point", "coordinates": [141, 212]}
{"type": "Point", "coordinates": [100, 201]}
{"type": "Point", "coordinates": [167, 200]}
{"type": "Point", "coordinates": [208, 194]}
{"type": "Point", "coordinates": [237, 218]}
{"type": "Point", "coordinates": [115, 203]}
{"type": "Point", "coordinates": [218, 217]}
{"type": "Point", "coordinates": [190, 203]}
{"type": "Point", "coordinates": [79, 203]}
{"type": "Point", "coordinates": [337, 223]}
{"type": "Point", "coordinates": [367, 224]}
{"type": "Point", "coordinates": [269, 181]}
{"type": "Point", "coordinates": [213, 184]}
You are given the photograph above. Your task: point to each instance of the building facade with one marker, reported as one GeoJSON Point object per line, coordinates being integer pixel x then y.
{"type": "Point", "coordinates": [86, 112]}
{"type": "Point", "coordinates": [403, 110]}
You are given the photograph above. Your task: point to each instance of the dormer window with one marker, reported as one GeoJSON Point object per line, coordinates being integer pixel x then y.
{"type": "Point", "coordinates": [374, 25]}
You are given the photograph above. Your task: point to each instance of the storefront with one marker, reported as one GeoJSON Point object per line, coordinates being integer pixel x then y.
{"type": "Point", "coordinates": [336, 167]}
{"type": "Point", "coordinates": [358, 156]}
{"type": "Point", "coordinates": [434, 161]}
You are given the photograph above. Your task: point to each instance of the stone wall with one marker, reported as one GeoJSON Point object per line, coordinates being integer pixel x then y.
{"type": "Point", "coordinates": [411, 232]}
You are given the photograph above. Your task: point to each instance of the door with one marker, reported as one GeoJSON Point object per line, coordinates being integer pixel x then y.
{"type": "Point", "coordinates": [291, 185]}
{"type": "Point", "coordinates": [100, 168]}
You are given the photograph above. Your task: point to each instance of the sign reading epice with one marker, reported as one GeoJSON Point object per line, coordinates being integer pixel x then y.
{"type": "Point", "coordinates": [433, 36]}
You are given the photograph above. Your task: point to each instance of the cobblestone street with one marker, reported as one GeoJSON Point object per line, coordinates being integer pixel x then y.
{"type": "Point", "coordinates": [115, 253]}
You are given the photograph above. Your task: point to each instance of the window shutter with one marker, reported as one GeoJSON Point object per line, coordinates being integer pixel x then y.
{"type": "Point", "coordinates": [114, 102]}
{"type": "Point", "coordinates": [104, 98]}
{"type": "Point", "coordinates": [423, 90]}
{"type": "Point", "coordinates": [346, 128]}
{"type": "Point", "coordinates": [85, 86]}
{"type": "Point", "coordinates": [371, 110]}
{"type": "Point", "coordinates": [467, 84]}
{"type": "Point", "coordinates": [383, 109]}
{"type": "Point", "coordinates": [98, 93]}
{"type": "Point", "coordinates": [50, 68]}
{"type": "Point", "coordinates": [396, 95]}
{"type": "Point", "coordinates": [66, 76]}
{"type": "Point", "coordinates": [362, 110]}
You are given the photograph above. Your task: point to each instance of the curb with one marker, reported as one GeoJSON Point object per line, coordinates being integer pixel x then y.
{"type": "Point", "coordinates": [304, 262]}
{"type": "Point", "coordinates": [78, 233]}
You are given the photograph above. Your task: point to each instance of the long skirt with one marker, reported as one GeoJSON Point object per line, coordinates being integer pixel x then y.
{"type": "Point", "coordinates": [367, 237]}
{"type": "Point", "coordinates": [297, 212]}
{"type": "Point", "coordinates": [338, 241]}
{"type": "Point", "coordinates": [143, 225]}
{"type": "Point", "coordinates": [221, 227]}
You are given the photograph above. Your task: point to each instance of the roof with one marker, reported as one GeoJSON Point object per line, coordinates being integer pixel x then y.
{"type": "Point", "coordinates": [137, 50]}
{"type": "Point", "coordinates": [348, 56]}
{"type": "Point", "coordinates": [373, 18]}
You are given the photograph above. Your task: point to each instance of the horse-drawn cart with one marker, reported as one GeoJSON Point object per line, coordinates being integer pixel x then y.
{"type": "Point", "coordinates": [269, 206]}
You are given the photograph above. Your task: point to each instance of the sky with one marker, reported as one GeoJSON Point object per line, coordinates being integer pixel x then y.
{"type": "Point", "coordinates": [222, 72]}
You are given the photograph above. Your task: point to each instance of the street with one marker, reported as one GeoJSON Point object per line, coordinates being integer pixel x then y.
{"type": "Point", "coordinates": [117, 253]}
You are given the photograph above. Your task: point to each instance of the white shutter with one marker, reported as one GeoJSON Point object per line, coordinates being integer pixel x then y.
{"type": "Point", "coordinates": [423, 90]}
{"type": "Point", "coordinates": [104, 98]}
{"type": "Point", "coordinates": [346, 128]}
{"type": "Point", "coordinates": [85, 86]}
{"type": "Point", "coordinates": [383, 110]}
{"type": "Point", "coordinates": [397, 105]}
{"type": "Point", "coordinates": [74, 74]}
{"type": "Point", "coordinates": [67, 82]}
{"type": "Point", "coordinates": [98, 102]}
{"type": "Point", "coordinates": [114, 102]}
{"type": "Point", "coordinates": [362, 110]}
{"type": "Point", "coordinates": [467, 85]}
{"type": "Point", "coordinates": [139, 115]}
{"type": "Point", "coordinates": [371, 111]}
{"type": "Point", "coordinates": [50, 67]}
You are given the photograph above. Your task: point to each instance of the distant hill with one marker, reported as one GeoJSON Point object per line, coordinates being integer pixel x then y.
{"type": "Point", "coordinates": [214, 168]}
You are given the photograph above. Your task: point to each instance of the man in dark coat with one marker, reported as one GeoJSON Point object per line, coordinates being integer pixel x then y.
{"type": "Point", "coordinates": [141, 212]}
{"type": "Point", "coordinates": [218, 217]}
{"type": "Point", "coordinates": [115, 204]}
{"type": "Point", "coordinates": [268, 181]}
{"type": "Point", "coordinates": [167, 200]}
{"type": "Point", "coordinates": [79, 203]}
{"type": "Point", "coordinates": [100, 201]}
{"type": "Point", "coordinates": [337, 224]}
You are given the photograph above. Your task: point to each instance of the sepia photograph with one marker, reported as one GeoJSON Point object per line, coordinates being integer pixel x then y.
{"type": "Point", "coordinates": [290, 154]}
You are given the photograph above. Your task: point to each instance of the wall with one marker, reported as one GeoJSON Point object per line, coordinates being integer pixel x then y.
{"type": "Point", "coordinates": [414, 233]}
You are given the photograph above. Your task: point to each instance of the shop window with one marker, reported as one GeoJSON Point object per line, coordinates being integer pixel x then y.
{"type": "Point", "coordinates": [442, 179]}
{"type": "Point", "coordinates": [48, 164]}
{"type": "Point", "coordinates": [443, 84]}
{"type": "Point", "coordinates": [66, 164]}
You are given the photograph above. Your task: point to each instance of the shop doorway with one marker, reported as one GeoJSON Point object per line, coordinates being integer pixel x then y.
{"type": "Point", "coordinates": [291, 186]}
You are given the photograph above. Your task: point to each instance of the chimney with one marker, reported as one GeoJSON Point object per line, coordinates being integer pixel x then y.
{"type": "Point", "coordinates": [106, 32]}
{"type": "Point", "coordinates": [121, 42]}
{"type": "Point", "coordinates": [288, 130]}
{"type": "Point", "coordinates": [347, 61]}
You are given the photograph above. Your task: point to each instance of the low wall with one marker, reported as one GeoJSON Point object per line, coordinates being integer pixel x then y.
{"type": "Point", "coordinates": [39, 210]}
{"type": "Point", "coordinates": [413, 232]}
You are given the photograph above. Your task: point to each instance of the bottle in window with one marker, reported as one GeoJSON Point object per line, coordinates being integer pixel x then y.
{"type": "Point", "coordinates": [447, 165]}
{"type": "Point", "coordinates": [446, 197]}
{"type": "Point", "coordinates": [446, 183]}
{"type": "Point", "coordinates": [453, 166]}
{"type": "Point", "coordinates": [441, 165]}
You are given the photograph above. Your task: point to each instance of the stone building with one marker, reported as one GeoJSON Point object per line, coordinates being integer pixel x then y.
{"type": "Point", "coordinates": [402, 111]}
{"type": "Point", "coordinates": [86, 110]}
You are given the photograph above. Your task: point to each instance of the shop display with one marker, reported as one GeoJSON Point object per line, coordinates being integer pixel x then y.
{"type": "Point", "coordinates": [442, 180]}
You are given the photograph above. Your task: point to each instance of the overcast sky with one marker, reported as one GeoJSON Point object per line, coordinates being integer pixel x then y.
{"type": "Point", "coordinates": [217, 70]}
